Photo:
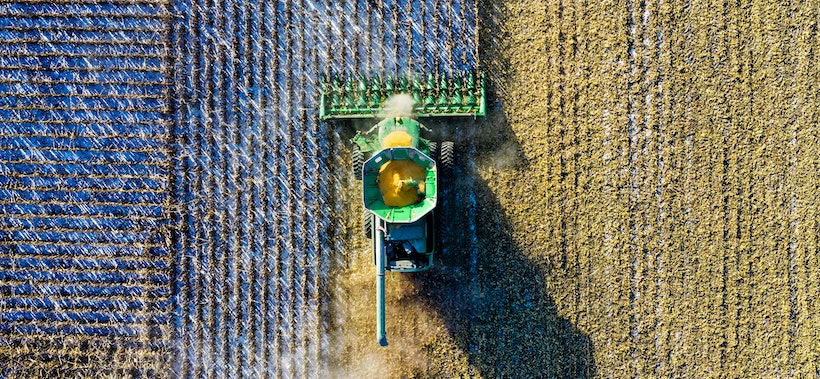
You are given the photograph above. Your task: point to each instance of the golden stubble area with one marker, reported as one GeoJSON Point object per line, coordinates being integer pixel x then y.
{"type": "Point", "coordinates": [641, 201]}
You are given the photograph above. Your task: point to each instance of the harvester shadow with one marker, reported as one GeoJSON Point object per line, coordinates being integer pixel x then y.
{"type": "Point", "coordinates": [494, 302]}
{"type": "Point", "coordinates": [492, 297]}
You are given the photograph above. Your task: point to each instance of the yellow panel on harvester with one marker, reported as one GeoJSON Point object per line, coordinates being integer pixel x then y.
{"type": "Point", "coordinates": [397, 138]}
{"type": "Point", "coordinates": [401, 183]}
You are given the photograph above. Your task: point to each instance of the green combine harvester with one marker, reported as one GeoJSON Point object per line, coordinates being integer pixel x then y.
{"type": "Point", "coordinates": [401, 171]}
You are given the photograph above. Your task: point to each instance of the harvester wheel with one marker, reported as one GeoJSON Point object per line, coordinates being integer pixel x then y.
{"type": "Point", "coordinates": [447, 159]}
{"type": "Point", "coordinates": [367, 222]}
{"type": "Point", "coordinates": [358, 163]}
{"type": "Point", "coordinates": [441, 228]}
{"type": "Point", "coordinates": [433, 146]}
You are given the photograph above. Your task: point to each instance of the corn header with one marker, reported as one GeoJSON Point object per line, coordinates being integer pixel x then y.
{"type": "Point", "coordinates": [401, 171]}
{"type": "Point", "coordinates": [460, 94]}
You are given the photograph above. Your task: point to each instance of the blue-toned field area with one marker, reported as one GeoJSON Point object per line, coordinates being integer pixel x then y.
{"type": "Point", "coordinates": [169, 200]}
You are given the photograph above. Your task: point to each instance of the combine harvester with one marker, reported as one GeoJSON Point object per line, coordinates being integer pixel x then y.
{"type": "Point", "coordinates": [398, 168]}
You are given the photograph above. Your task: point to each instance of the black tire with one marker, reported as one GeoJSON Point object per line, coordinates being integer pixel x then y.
{"type": "Point", "coordinates": [447, 159]}
{"type": "Point", "coordinates": [446, 162]}
{"type": "Point", "coordinates": [367, 224]}
{"type": "Point", "coordinates": [433, 146]}
{"type": "Point", "coordinates": [358, 163]}
{"type": "Point", "coordinates": [440, 227]}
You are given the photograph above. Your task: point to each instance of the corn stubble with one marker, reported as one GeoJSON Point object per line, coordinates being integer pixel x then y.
{"type": "Point", "coordinates": [658, 217]}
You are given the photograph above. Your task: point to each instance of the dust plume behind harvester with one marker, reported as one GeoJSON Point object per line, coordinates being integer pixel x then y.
{"type": "Point", "coordinates": [401, 171]}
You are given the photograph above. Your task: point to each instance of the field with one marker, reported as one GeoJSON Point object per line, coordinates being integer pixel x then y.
{"type": "Point", "coordinates": [641, 203]}
{"type": "Point", "coordinates": [641, 200]}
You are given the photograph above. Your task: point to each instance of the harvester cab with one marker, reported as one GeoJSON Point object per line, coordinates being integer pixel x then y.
{"type": "Point", "coordinates": [401, 172]}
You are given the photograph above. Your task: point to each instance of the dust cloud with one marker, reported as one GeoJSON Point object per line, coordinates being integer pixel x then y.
{"type": "Point", "coordinates": [398, 105]}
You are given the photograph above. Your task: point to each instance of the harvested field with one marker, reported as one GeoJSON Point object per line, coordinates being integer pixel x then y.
{"type": "Point", "coordinates": [642, 203]}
